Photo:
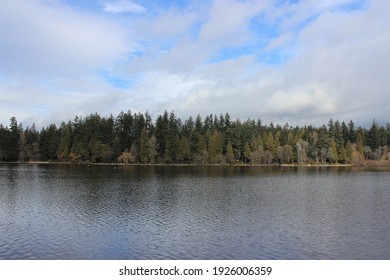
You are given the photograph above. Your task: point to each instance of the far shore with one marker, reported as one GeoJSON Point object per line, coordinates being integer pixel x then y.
{"type": "Point", "coordinates": [365, 163]}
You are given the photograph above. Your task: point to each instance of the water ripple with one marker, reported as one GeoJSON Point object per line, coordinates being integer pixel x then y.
{"type": "Point", "coordinates": [74, 212]}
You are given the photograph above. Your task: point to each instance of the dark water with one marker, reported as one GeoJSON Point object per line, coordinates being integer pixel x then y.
{"type": "Point", "coordinates": [98, 212]}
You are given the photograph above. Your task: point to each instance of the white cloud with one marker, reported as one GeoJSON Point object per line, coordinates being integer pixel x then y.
{"type": "Point", "coordinates": [339, 67]}
{"type": "Point", "coordinates": [122, 6]}
{"type": "Point", "coordinates": [304, 100]}
{"type": "Point", "coordinates": [330, 4]}
{"type": "Point", "coordinates": [172, 23]}
{"type": "Point", "coordinates": [40, 39]}
{"type": "Point", "coordinates": [280, 41]}
{"type": "Point", "coordinates": [339, 72]}
{"type": "Point", "coordinates": [349, 52]}
{"type": "Point", "coordinates": [50, 57]}
{"type": "Point", "coordinates": [228, 22]}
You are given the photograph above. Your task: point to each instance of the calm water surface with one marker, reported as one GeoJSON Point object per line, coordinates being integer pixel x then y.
{"type": "Point", "coordinates": [98, 212]}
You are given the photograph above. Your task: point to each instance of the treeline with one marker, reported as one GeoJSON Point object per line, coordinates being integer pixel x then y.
{"type": "Point", "coordinates": [136, 138]}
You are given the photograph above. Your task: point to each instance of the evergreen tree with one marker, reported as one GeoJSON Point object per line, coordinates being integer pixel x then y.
{"type": "Point", "coordinates": [215, 147]}
{"type": "Point", "coordinates": [342, 156]}
{"type": "Point", "coordinates": [22, 146]}
{"type": "Point", "coordinates": [173, 136]}
{"type": "Point", "coordinates": [388, 133]}
{"type": "Point", "coordinates": [332, 151]}
{"type": "Point", "coordinates": [161, 133]}
{"type": "Point", "coordinates": [79, 150]}
{"type": "Point", "coordinates": [247, 153]}
{"type": "Point", "coordinates": [63, 152]}
{"type": "Point", "coordinates": [201, 153]}
{"type": "Point", "coordinates": [229, 153]}
{"type": "Point", "coordinates": [351, 132]}
{"type": "Point", "coordinates": [124, 130]}
{"type": "Point", "coordinates": [188, 128]}
{"type": "Point", "coordinates": [302, 146]}
{"type": "Point", "coordinates": [145, 153]}
{"type": "Point", "coordinates": [48, 142]}
{"type": "Point", "coordinates": [12, 141]}
{"type": "Point", "coordinates": [134, 137]}
{"type": "Point", "coordinates": [184, 154]}
{"type": "Point", "coordinates": [360, 142]}
{"type": "Point", "coordinates": [349, 151]}
{"type": "Point", "coordinates": [32, 145]}
{"type": "Point", "coordinates": [382, 137]}
{"type": "Point", "coordinates": [153, 148]}
{"type": "Point", "coordinates": [373, 136]}
{"type": "Point", "coordinates": [338, 136]}
{"type": "Point", "coordinates": [287, 153]}
{"type": "Point", "coordinates": [198, 124]}
{"type": "Point", "coordinates": [270, 144]}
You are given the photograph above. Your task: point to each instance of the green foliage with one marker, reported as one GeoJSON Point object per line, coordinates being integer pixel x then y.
{"type": "Point", "coordinates": [145, 153]}
{"type": "Point", "coordinates": [184, 155]}
{"type": "Point", "coordinates": [229, 153]}
{"type": "Point", "coordinates": [332, 151]}
{"type": "Point", "coordinates": [373, 136]}
{"type": "Point", "coordinates": [247, 153]}
{"type": "Point", "coordinates": [215, 147]}
{"type": "Point", "coordinates": [131, 138]}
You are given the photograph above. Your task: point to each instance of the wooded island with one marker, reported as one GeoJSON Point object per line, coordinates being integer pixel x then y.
{"type": "Point", "coordinates": [136, 138]}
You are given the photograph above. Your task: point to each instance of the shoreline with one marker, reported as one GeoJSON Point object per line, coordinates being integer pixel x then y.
{"type": "Point", "coordinates": [365, 164]}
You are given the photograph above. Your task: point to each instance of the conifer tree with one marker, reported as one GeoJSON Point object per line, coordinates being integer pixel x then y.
{"type": "Point", "coordinates": [373, 136]}
{"type": "Point", "coordinates": [229, 153]}
{"type": "Point", "coordinates": [145, 149]}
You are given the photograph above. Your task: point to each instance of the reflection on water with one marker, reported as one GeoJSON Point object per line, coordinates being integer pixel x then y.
{"type": "Point", "coordinates": [152, 212]}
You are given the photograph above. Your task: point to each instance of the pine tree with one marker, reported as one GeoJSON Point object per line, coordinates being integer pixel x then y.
{"type": "Point", "coordinates": [145, 149]}
{"type": "Point", "coordinates": [360, 142]}
{"type": "Point", "coordinates": [270, 144]}
{"type": "Point", "coordinates": [332, 151]}
{"type": "Point", "coordinates": [12, 141]}
{"type": "Point", "coordinates": [184, 154]}
{"type": "Point", "coordinates": [373, 136]}
{"type": "Point", "coordinates": [161, 133]}
{"type": "Point", "coordinates": [349, 150]}
{"type": "Point", "coordinates": [229, 153]}
{"type": "Point", "coordinates": [63, 152]}
{"type": "Point", "coordinates": [215, 147]}
{"type": "Point", "coordinates": [351, 132]}
{"type": "Point", "coordinates": [342, 157]}
{"type": "Point", "coordinates": [247, 153]}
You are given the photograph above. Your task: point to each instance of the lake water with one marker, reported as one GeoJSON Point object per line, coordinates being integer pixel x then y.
{"type": "Point", "coordinates": [146, 212]}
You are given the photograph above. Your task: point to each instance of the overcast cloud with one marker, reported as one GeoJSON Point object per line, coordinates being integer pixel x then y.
{"type": "Point", "coordinates": [301, 62]}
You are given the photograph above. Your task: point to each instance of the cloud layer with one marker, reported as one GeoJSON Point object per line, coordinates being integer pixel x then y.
{"type": "Point", "coordinates": [122, 6]}
{"type": "Point", "coordinates": [301, 62]}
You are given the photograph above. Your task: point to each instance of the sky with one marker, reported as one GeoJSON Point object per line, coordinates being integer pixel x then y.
{"type": "Point", "coordinates": [300, 62]}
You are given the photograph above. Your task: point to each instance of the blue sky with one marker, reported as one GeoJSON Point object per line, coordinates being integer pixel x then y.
{"type": "Point", "coordinates": [301, 62]}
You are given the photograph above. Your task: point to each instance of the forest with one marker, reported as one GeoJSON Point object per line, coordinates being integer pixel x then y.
{"type": "Point", "coordinates": [134, 138]}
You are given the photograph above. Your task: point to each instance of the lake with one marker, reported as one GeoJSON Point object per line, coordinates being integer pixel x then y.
{"type": "Point", "coordinates": [157, 212]}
